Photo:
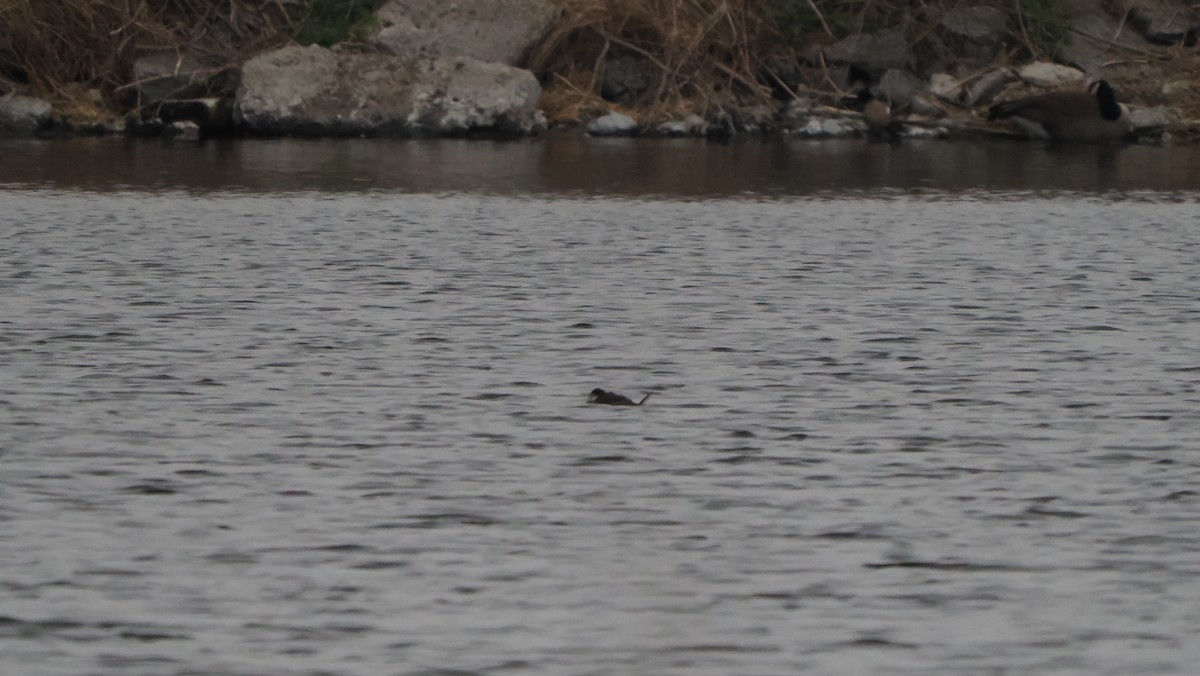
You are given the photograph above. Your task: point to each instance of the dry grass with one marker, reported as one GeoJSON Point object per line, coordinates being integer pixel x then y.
{"type": "Point", "coordinates": [705, 54]}
{"type": "Point", "coordinates": [701, 51]}
{"type": "Point", "coordinates": [65, 47]}
{"type": "Point", "coordinates": [710, 53]}
{"type": "Point", "coordinates": [701, 55]}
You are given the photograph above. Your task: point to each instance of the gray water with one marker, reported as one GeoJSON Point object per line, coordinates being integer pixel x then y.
{"type": "Point", "coordinates": [331, 419]}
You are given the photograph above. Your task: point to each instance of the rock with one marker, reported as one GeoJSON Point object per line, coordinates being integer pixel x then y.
{"type": "Point", "coordinates": [626, 78]}
{"type": "Point", "coordinates": [453, 97]}
{"type": "Point", "coordinates": [295, 90]}
{"type": "Point", "coordinates": [946, 87]}
{"type": "Point", "coordinates": [900, 86]}
{"type": "Point", "coordinates": [1148, 122]}
{"type": "Point", "coordinates": [1165, 22]}
{"type": "Point", "coordinates": [488, 30]}
{"type": "Point", "coordinates": [986, 86]}
{"type": "Point", "coordinates": [796, 112]}
{"type": "Point", "coordinates": [1095, 56]}
{"type": "Point", "coordinates": [925, 106]}
{"type": "Point", "coordinates": [23, 115]}
{"type": "Point", "coordinates": [964, 39]}
{"type": "Point", "coordinates": [151, 128]}
{"type": "Point", "coordinates": [180, 76]}
{"type": "Point", "coordinates": [692, 125]}
{"type": "Point", "coordinates": [924, 132]}
{"type": "Point", "coordinates": [875, 52]}
{"type": "Point", "coordinates": [209, 114]}
{"type": "Point", "coordinates": [755, 120]}
{"type": "Point", "coordinates": [1046, 74]}
{"type": "Point", "coordinates": [973, 35]}
{"type": "Point", "coordinates": [818, 127]}
{"type": "Point", "coordinates": [184, 131]}
{"type": "Point", "coordinates": [671, 128]}
{"type": "Point", "coordinates": [314, 91]}
{"type": "Point", "coordinates": [612, 124]}
{"type": "Point", "coordinates": [1177, 87]}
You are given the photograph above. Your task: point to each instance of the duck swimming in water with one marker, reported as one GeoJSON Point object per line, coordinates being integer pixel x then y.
{"type": "Point", "coordinates": [599, 396]}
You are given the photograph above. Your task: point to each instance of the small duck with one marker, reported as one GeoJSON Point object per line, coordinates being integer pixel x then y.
{"type": "Point", "coordinates": [1091, 116]}
{"type": "Point", "coordinates": [599, 396]}
{"type": "Point", "coordinates": [876, 110]}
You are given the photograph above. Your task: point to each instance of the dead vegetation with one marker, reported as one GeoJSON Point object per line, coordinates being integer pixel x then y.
{"type": "Point", "coordinates": [705, 54]}
{"type": "Point", "coordinates": [80, 53]}
{"type": "Point", "coordinates": [693, 56]}
{"type": "Point", "coordinates": [701, 53]}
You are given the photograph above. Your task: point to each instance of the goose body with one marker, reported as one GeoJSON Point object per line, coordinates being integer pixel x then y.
{"type": "Point", "coordinates": [599, 396]}
{"type": "Point", "coordinates": [1089, 117]}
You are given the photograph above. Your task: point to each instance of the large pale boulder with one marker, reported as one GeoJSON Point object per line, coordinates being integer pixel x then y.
{"type": "Point", "coordinates": [320, 92]}
{"type": "Point", "coordinates": [488, 30]}
{"type": "Point", "coordinates": [297, 90]}
{"type": "Point", "coordinates": [1046, 74]}
{"type": "Point", "coordinates": [23, 115]}
{"type": "Point", "coordinates": [462, 95]}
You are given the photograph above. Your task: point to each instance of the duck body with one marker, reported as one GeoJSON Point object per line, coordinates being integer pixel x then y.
{"type": "Point", "coordinates": [877, 113]}
{"type": "Point", "coordinates": [876, 110]}
{"type": "Point", "coordinates": [599, 396]}
{"type": "Point", "coordinates": [1093, 116]}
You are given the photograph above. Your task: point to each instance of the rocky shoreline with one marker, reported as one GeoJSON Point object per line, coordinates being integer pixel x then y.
{"type": "Point", "coordinates": [435, 69]}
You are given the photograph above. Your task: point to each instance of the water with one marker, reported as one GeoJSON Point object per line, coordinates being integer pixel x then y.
{"type": "Point", "coordinates": [319, 409]}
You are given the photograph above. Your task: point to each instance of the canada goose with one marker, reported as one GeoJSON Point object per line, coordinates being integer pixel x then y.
{"type": "Point", "coordinates": [599, 396]}
{"type": "Point", "coordinates": [876, 111]}
{"type": "Point", "coordinates": [1090, 116]}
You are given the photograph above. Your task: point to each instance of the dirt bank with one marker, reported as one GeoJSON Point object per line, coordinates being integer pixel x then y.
{"type": "Point", "coordinates": [663, 59]}
{"type": "Point", "coordinates": [721, 61]}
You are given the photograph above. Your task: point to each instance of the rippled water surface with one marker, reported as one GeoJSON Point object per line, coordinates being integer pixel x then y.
{"type": "Point", "coordinates": [340, 429]}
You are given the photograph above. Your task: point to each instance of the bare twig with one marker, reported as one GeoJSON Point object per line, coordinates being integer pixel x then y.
{"type": "Point", "coordinates": [751, 84]}
{"type": "Point", "coordinates": [1021, 24]}
{"type": "Point", "coordinates": [1110, 43]}
{"type": "Point", "coordinates": [820, 16]}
